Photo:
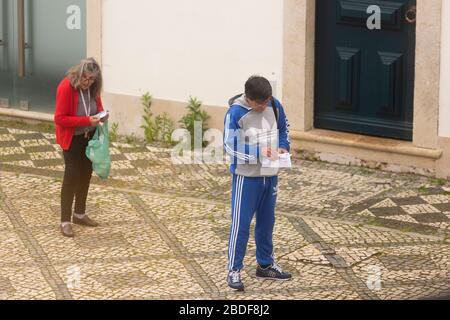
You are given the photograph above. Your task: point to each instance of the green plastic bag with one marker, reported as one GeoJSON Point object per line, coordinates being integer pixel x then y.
{"type": "Point", "coordinates": [98, 151]}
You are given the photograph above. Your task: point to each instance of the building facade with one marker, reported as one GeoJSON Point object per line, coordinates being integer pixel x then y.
{"type": "Point", "coordinates": [378, 98]}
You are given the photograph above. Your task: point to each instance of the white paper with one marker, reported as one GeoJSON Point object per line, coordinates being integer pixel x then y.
{"type": "Point", "coordinates": [101, 115]}
{"type": "Point", "coordinates": [284, 161]}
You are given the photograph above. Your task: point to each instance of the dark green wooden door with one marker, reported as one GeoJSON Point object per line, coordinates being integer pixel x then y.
{"type": "Point", "coordinates": [365, 78]}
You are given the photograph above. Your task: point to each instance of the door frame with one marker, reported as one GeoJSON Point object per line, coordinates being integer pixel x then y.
{"type": "Point", "coordinates": [299, 68]}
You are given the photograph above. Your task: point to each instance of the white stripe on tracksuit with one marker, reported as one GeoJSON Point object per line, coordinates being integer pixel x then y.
{"type": "Point", "coordinates": [230, 150]}
{"type": "Point", "coordinates": [236, 220]}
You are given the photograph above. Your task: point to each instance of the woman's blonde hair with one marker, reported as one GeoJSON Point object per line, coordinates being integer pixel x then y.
{"type": "Point", "coordinates": [90, 65]}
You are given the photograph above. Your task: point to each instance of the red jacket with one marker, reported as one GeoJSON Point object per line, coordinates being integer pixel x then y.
{"type": "Point", "coordinates": [65, 115]}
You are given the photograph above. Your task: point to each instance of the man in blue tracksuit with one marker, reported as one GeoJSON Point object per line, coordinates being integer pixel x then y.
{"type": "Point", "coordinates": [256, 133]}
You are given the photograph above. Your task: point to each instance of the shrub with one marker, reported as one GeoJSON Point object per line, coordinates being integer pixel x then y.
{"type": "Point", "coordinates": [114, 132]}
{"type": "Point", "coordinates": [159, 128]}
{"type": "Point", "coordinates": [195, 114]}
{"type": "Point", "coordinates": [150, 132]}
{"type": "Point", "coordinates": [165, 127]}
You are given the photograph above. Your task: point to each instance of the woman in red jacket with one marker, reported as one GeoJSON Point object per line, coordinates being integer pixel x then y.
{"type": "Point", "coordinates": [77, 101]}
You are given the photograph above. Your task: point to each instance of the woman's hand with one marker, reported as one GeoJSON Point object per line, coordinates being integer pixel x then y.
{"type": "Point", "coordinates": [94, 121]}
{"type": "Point", "coordinates": [104, 119]}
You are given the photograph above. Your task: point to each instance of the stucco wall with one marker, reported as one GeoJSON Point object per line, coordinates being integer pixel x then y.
{"type": "Point", "coordinates": [444, 114]}
{"type": "Point", "coordinates": [204, 48]}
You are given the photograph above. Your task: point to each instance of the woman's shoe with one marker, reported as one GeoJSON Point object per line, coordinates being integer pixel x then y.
{"type": "Point", "coordinates": [67, 230]}
{"type": "Point", "coordinates": [85, 221]}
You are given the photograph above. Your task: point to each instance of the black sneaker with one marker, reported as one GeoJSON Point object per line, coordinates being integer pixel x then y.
{"type": "Point", "coordinates": [274, 272]}
{"type": "Point", "coordinates": [234, 280]}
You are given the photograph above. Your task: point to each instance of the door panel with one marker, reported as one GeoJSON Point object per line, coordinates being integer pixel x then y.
{"type": "Point", "coordinates": [7, 51]}
{"type": "Point", "coordinates": [348, 77]}
{"type": "Point", "coordinates": [391, 71]}
{"type": "Point", "coordinates": [54, 38]}
{"type": "Point", "coordinates": [355, 12]}
{"type": "Point", "coordinates": [365, 78]}
{"type": "Point", "coordinates": [3, 55]}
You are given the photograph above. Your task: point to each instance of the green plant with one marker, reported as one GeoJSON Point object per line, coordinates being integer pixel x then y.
{"type": "Point", "coordinates": [159, 128]}
{"type": "Point", "coordinates": [446, 238]}
{"type": "Point", "coordinates": [164, 129]}
{"type": "Point", "coordinates": [405, 228]}
{"type": "Point", "coordinates": [114, 133]}
{"type": "Point", "coordinates": [439, 182]}
{"type": "Point", "coordinates": [367, 171]}
{"type": "Point", "coordinates": [195, 114]}
{"type": "Point", "coordinates": [131, 139]}
{"type": "Point", "coordinates": [46, 127]}
{"type": "Point", "coordinates": [423, 189]}
{"type": "Point", "coordinates": [150, 130]}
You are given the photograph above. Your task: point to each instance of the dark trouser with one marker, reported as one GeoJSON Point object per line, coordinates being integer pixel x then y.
{"type": "Point", "coordinates": [77, 178]}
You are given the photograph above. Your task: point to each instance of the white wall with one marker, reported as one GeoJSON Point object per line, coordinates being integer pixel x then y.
{"type": "Point", "coordinates": [177, 48]}
{"type": "Point", "coordinates": [444, 114]}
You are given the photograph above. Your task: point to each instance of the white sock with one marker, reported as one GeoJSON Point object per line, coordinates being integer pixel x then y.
{"type": "Point", "coordinates": [79, 216]}
{"type": "Point", "coordinates": [63, 224]}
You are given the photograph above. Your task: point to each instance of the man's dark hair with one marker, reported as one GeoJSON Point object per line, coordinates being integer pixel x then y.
{"type": "Point", "coordinates": [258, 89]}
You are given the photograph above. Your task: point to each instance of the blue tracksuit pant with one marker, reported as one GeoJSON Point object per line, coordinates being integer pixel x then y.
{"type": "Point", "coordinates": [252, 196]}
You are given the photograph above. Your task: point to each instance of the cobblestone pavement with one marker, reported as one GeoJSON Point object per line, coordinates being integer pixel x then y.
{"type": "Point", "coordinates": [344, 232]}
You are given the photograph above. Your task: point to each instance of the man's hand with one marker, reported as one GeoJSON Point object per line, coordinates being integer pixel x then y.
{"type": "Point", "coordinates": [270, 153]}
{"type": "Point", "coordinates": [94, 121]}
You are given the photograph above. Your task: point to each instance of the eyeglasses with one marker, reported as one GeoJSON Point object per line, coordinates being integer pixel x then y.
{"type": "Point", "coordinates": [90, 79]}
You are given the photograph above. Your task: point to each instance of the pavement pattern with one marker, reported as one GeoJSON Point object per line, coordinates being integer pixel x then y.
{"type": "Point", "coordinates": [344, 232]}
